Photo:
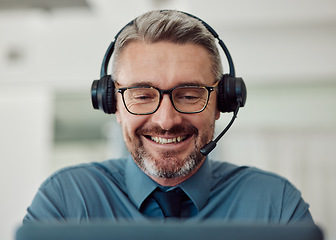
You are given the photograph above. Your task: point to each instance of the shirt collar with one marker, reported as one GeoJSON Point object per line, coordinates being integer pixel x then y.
{"type": "Point", "coordinates": [140, 185]}
{"type": "Point", "coordinates": [197, 187]}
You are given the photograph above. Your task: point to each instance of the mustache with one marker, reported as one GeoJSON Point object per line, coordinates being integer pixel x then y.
{"type": "Point", "coordinates": [175, 130]}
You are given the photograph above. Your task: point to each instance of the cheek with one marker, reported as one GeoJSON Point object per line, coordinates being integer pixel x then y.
{"type": "Point", "coordinates": [205, 122]}
{"type": "Point", "coordinates": [129, 123]}
{"type": "Point", "coordinates": [202, 121]}
{"type": "Point", "coordinates": [212, 105]}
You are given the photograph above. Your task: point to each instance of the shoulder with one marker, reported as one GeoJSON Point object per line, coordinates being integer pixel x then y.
{"type": "Point", "coordinates": [86, 172]}
{"type": "Point", "coordinates": [254, 191]}
{"type": "Point", "coordinates": [223, 172]}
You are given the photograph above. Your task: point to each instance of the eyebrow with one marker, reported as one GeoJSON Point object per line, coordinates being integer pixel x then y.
{"type": "Point", "coordinates": [137, 84]}
{"type": "Point", "coordinates": [150, 84]}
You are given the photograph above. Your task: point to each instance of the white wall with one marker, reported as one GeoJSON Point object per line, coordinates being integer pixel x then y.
{"type": "Point", "coordinates": [25, 149]}
{"type": "Point", "coordinates": [291, 133]}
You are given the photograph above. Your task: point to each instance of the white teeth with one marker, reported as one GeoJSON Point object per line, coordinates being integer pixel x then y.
{"type": "Point", "coordinates": [168, 140]}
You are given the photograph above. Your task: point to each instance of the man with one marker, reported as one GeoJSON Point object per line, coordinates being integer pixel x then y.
{"type": "Point", "coordinates": [166, 70]}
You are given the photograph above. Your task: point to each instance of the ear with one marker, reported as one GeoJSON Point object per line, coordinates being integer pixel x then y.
{"type": "Point", "coordinates": [117, 113]}
{"type": "Point", "coordinates": [117, 108]}
{"type": "Point", "coordinates": [217, 114]}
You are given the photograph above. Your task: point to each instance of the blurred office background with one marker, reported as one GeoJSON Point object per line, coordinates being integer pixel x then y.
{"type": "Point", "coordinates": [51, 51]}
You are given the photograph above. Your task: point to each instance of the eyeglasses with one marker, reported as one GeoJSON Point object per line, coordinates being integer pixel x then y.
{"type": "Point", "coordinates": [144, 100]}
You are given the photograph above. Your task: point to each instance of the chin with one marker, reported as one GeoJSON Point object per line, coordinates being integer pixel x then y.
{"type": "Point", "coordinates": [168, 166]}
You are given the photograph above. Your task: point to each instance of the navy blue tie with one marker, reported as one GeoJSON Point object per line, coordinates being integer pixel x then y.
{"type": "Point", "coordinates": [169, 202]}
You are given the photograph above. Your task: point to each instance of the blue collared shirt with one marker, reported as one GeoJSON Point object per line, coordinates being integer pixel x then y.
{"type": "Point", "coordinates": [114, 190]}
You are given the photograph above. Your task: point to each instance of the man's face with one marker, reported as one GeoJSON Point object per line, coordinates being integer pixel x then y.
{"type": "Point", "coordinates": [166, 144]}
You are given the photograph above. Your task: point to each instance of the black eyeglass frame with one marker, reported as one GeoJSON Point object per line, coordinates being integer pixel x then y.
{"type": "Point", "coordinates": [169, 91]}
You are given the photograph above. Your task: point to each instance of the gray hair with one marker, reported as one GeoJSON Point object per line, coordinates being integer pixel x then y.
{"type": "Point", "coordinates": [172, 26]}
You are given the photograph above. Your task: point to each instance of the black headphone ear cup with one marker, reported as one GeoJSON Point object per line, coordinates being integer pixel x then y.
{"type": "Point", "coordinates": [221, 95]}
{"type": "Point", "coordinates": [230, 91]}
{"type": "Point", "coordinates": [102, 95]}
{"type": "Point", "coordinates": [110, 95]}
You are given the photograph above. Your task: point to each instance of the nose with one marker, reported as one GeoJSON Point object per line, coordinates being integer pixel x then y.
{"type": "Point", "coordinates": [166, 116]}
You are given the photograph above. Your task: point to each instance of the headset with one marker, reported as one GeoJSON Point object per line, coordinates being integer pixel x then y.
{"type": "Point", "coordinates": [231, 94]}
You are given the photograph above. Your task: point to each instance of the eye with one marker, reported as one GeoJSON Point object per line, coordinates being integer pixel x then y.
{"type": "Point", "coordinates": [188, 95]}
{"type": "Point", "coordinates": [142, 95]}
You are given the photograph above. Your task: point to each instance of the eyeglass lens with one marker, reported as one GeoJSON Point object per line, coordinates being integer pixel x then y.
{"type": "Point", "coordinates": [146, 100]}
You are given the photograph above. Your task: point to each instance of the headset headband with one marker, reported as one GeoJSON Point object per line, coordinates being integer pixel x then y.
{"type": "Point", "coordinates": [110, 49]}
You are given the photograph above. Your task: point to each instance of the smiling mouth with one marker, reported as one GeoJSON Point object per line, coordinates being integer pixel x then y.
{"type": "Point", "coordinates": [161, 140]}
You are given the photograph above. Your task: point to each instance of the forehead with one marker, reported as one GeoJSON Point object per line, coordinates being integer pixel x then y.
{"type": "Point", "coordinates": [164, 64]}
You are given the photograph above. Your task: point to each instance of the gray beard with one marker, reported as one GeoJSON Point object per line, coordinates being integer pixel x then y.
{"type": "Point", "coordinates": [149, 165]}
{"type": "Point", "coordinates": [171, 167]}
